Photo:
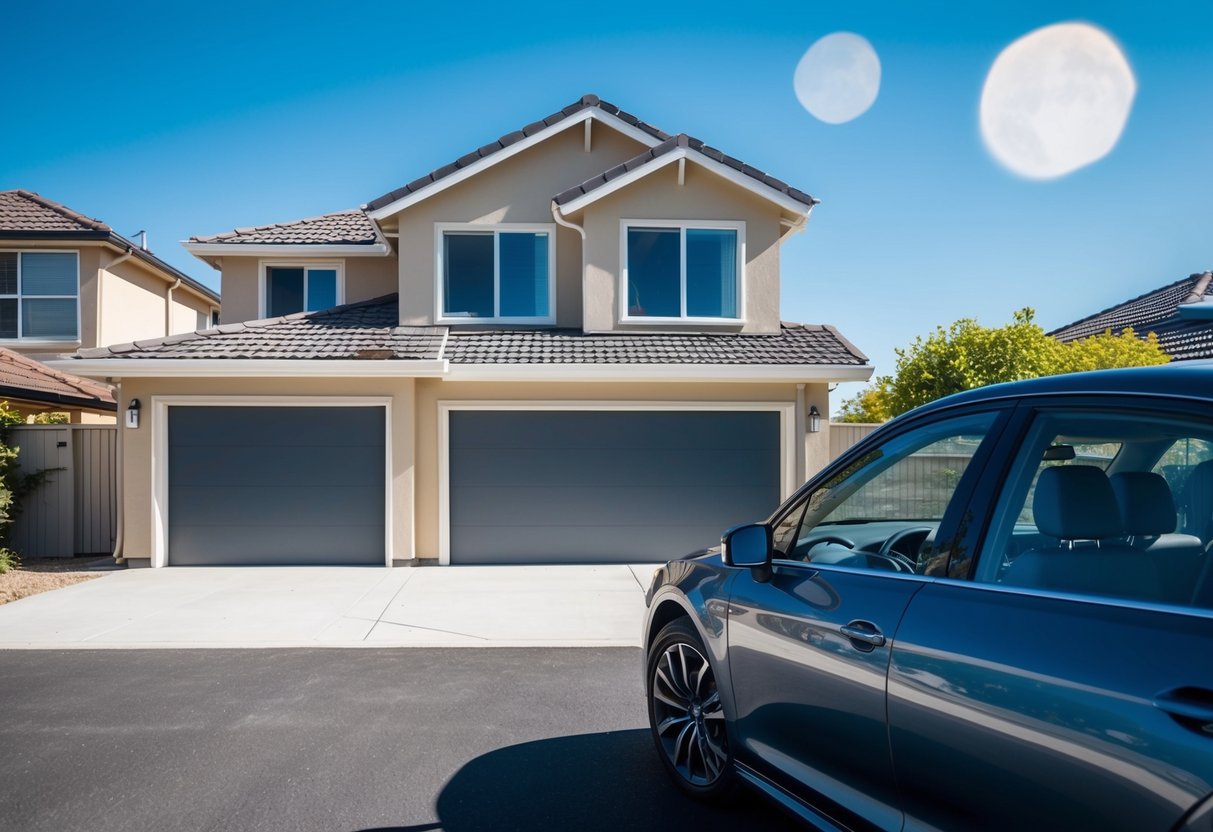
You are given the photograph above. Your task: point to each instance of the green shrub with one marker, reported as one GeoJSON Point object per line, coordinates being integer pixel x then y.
{"type": "Point", "coordinates": [8, 560]}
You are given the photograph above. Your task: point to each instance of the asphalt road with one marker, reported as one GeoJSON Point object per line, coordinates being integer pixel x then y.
{"type": "Point", "coordinates": [416, 740]}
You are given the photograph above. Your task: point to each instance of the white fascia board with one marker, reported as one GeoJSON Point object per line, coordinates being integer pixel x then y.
{"type": "Point", "coordinates": [248, 368]}
{"type": "Point", "coordinates": [660, 372]}
{"type": "Point", "coordinates": [736, 177]}
{"type": "Point", "coordinates": [203, 250]}
{"type": "Point", "coordinates": [487, 162]}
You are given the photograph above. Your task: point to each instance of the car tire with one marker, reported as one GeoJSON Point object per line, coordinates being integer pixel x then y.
{"type": "Point", "coordinates": [685, 714]}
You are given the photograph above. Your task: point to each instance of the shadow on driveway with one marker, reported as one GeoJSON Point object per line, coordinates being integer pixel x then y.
{"type": "Point", "coordinates": [607, 781]}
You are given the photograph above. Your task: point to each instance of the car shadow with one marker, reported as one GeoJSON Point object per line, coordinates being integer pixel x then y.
{"type": "Point", "coordinates": [605, 781]}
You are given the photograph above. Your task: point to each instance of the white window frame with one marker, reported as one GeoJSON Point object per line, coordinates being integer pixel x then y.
{"type": "Point", "coordinates": [441, 228]}
{"type": "Point", "coordinates": [19, 297]}
{"type": "Point", "coordinates": [264, 267]}
{"type": "Point", "coordinates": [682, 225]}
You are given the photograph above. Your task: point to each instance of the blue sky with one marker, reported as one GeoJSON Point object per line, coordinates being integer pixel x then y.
{"type": "Point", "coordinates": [195, 119]}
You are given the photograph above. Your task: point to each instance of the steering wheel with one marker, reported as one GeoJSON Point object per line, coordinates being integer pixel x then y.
{"type": "Point", "coordinates": [888, 548]}
{"type": "Point", "coordinates": [835, 538]}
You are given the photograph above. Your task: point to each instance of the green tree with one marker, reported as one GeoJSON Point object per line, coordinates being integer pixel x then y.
{"type": "Point", "coordinates": [966, 355]}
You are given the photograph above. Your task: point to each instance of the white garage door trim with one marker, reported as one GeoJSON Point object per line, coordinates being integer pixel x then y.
{"type": "Point", "coordinates": [787, 439]}
{"type": "Point", "coordinates": [160, 457]}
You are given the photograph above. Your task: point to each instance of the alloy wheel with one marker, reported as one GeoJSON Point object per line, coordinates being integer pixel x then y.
{"type": "Point", "coordinates": [687, 715]}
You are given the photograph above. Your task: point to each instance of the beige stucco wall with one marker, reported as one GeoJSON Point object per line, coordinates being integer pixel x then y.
{"type": "Point", "coordinates": [516, 190]}
{"type": "Point", "coordinates": [414, 423]}
{"type": "Point", "coordinates": [138, 443]}
{"type": "Point", "coordinates": [703, 196]}
{"type": "Point", "coordinates": [365, 278]}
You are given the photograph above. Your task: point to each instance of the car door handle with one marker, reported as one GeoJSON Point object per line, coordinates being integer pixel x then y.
{"type": "Point", "coordinates": [863, 631]}
{"type": "Point", "coordinates": [1188, 705]}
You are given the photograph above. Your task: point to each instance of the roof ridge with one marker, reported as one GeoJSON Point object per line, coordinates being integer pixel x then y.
{"type": "Point", "coordinates": [587, 101]}
{"type": "Point", "coordinates": [62, 210]}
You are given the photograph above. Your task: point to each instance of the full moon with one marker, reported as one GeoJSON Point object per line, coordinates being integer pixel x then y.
{"type": "Point", "coordinates": [1056, 100]}
{"type": "Point", "coordinates": [838, 78]}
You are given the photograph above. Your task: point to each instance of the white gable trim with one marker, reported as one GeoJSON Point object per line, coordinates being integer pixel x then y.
{"type": "Point", "coordinates": [738, 178]}
{"type": "Point", "coordinates": [506, 152]}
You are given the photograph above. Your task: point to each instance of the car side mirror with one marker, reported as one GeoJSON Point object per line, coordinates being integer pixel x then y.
{"type": "Point", "coordinates": [749, 545]}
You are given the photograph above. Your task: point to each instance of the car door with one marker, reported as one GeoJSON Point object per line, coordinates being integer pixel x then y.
{"type": "Point", "coordinates": [809, 647]}
{"type": "Point", "coordinates": [1077, 694]}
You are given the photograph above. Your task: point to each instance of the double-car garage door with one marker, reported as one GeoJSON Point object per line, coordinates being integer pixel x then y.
{"type": "Point", "coordinates": [556, 486]}
{"type": "Point", "coordinates": [307, 484]}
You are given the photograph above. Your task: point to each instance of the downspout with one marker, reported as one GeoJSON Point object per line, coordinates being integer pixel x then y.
{"type": "Point", "coordinates": [119, 524]}
{"type": "Point", "coordinates": [122, 258]}
{"type": "Point", "coordinates": [580, 230]}
{"type": "Point", "coordinates": [801, 437]}
{"type": "Point", "coordinates": [168, 309]}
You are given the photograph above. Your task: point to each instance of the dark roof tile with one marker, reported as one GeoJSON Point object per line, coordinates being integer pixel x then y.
{"type": "Point", "coordinates": [340, 228]}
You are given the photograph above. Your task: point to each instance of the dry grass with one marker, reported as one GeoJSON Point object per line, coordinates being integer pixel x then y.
{"type": "Point", "coordinates": [36, 575]}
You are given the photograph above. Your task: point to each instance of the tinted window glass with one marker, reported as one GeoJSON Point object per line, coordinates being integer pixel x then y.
{"type": "Point", "coordinates": [654, 272]}
{"type": "Point", "coordinates": [882, 511]}
{"type": "Point", "coordinates": [468, 274]}
{"type": "Point", "coordinates": [711, 273]}
{"type": "Point", "coordinates": [321, 289]}
{"type": "Point", "coordinates": [523, 274]}
{"type": "Point", "coordinates": [283, 291]}
{"type": "Point", "coordinates": [8, 274]}
{"type": "Point", "coordinates": [1091, 507]}
{"type": "Point", "coordinates": [51, 273]}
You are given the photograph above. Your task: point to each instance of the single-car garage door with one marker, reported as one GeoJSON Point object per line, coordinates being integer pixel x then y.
{"type": "Point", "coordinates": [605, 486]}
{"type": "Point", "coordinates": [276, 485]}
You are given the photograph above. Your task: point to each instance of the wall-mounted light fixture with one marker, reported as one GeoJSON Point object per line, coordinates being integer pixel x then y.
{"type": "Point", "coordinates": [132, 414]}
{"type": "Point", "coordinates": [814, 419]}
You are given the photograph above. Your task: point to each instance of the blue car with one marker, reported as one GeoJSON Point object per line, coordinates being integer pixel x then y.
{"type": "Point", "coordinates": [995, 612]}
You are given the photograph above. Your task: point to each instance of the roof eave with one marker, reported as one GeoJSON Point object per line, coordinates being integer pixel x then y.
{"type": "Point", "coordinates": [739, 373]}
{"type": "Point", "coordinates": [248, 367]}
{"type": "Point", "coordinates": [205, 250]}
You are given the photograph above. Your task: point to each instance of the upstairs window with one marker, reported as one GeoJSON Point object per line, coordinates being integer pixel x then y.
{"type": "Point", "coordinates": [496, 273]}
{"type": "Point", "coordinates": [682, 271]}
{"type": "Point", "coordinates": [294, 288]}
{"type": "Point", "coordinates": [40, 295]}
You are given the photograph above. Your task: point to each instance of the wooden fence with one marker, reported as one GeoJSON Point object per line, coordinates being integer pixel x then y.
{"type": "Point", "coordinates": [845, 434]}
{"type": "Point", "coordinates": [74, 511]}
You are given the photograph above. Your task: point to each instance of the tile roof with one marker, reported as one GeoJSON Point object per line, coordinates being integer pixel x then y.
{"type": "Point", "coordinates": [340, 228]}
{"type": "Point", "coordinates": [23, 378]}
{"type": "Point", "coordinates": [25, 211]}
{"type": "Point", "coordinates": [27, 215]}
{"type": "Point", "coordinates": [793, 344]}
{"type": "Point", "coordinates": [1158, 312]}
{"type": "Point", "coordinates": [583, 103]}
{"type": "Point", "coordinates": [669, 146]}
{"type": "Point", "coordinates": [369, 330]}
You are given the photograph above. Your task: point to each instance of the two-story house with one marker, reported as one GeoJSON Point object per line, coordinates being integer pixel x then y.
{"type": "Point", "coordinates": [67, 282]}
{"type": "Point", "coordinates": [564, 346]}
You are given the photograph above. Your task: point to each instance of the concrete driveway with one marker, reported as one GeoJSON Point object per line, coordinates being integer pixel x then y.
{"type": "Point", "coordinates": [338, 606]}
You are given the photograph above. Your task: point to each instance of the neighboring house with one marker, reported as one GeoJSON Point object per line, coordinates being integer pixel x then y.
{"type": "Point", "coordinates": [1179, 314]}
{"type": "Point", "coordinates": [564, 346]}
{"type": "Point", "coordinates": [30, 387]}
{"type": "Point", "coordinates": [69, 282]}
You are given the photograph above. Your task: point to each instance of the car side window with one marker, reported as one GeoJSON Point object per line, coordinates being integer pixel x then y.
{"type": "Point", "coordinates": [883, 509]}
{"type": "Point", "coordinates": [1106, 504]}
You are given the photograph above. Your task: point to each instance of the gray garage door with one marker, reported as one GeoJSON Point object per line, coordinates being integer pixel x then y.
{"type": "Point", "coordinates": [605, 487]}
{"type": "Point", "coordinates": [276, 485]}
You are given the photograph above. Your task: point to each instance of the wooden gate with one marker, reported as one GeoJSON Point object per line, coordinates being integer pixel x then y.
{"type": "Point", "coordinates": [74, 511]}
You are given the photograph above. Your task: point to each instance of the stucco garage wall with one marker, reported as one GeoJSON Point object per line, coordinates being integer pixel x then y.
{"type": "Point", "coordinates": [137, 443]}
